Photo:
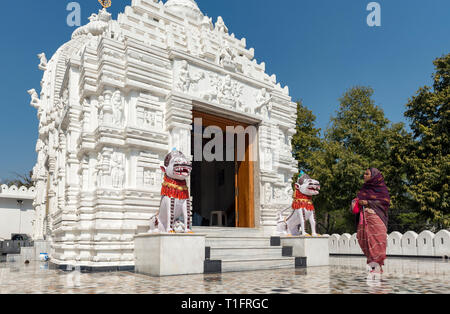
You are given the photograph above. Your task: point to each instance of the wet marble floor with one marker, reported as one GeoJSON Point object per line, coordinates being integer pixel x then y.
{"type": "Point", "coordinates": [345, 275]}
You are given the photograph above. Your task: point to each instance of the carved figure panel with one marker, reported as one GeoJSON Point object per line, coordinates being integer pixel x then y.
{"type": "Point", "coordinates": [263, 104]}
{"type": "Point", "coordinates": [118, 170]}
{"type": "Point", "coordinates": [111, 109]}
{"type": "Point", "coordinates": [152, 177]}
{"type": "Point", "coordinates": [187, 80]}
{"type": "Point", "coordinates": [150, 119]}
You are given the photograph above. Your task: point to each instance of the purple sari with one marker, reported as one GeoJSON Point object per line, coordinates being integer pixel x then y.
{"type": "Point", "coordinates": [372, 230]}
{"type": "Point", "coordinates": [376, 193]}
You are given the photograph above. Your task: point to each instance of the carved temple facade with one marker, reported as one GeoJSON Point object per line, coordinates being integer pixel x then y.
{"type": "Point", "coordinates": [118, 97]}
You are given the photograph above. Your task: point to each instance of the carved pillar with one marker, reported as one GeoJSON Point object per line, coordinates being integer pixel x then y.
{"type": "Point", "coordinates": [179, 122]}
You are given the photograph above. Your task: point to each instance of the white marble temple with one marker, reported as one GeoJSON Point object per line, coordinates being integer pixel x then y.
{"type": "Point", "coordinates": [117, 97]}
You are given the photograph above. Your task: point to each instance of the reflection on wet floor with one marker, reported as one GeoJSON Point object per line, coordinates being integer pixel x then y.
{"type": "Point", "coordinates": [345, 275]}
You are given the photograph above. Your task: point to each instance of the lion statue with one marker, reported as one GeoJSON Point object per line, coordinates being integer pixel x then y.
{"type": "Point", "coordinates": [302, 208]}
{"type": "Point", "coordinates": [174, 215]}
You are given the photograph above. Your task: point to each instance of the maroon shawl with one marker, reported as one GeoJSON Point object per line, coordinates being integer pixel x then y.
{"type": "Point", "coordinates": [376, 193]}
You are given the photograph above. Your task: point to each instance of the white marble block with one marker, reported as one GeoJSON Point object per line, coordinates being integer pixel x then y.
{"type": "Point", "coordinates": [315, 249]}
{"type": "Point", "coordinates": [169, 254]}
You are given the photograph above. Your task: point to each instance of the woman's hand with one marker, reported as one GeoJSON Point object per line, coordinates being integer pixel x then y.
{"type": "Point", "coordinates": [363, 203]}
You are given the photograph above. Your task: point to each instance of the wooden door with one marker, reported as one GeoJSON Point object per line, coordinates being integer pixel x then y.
{"type": "Point", "coordinates": [244, 182]}
{"type": "Point", "coordinates": [245, 217]}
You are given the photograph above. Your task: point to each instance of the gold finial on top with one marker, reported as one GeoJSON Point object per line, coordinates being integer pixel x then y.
{"type": "Point", "coordinates": [105, 3]}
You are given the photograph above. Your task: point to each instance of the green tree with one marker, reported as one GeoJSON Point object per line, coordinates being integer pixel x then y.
{"type": "Point", "coordinates": [307, 138]}
{"type": "Point", "coordinates": [360, 137]}
{"type": "Point", "coordinates": [427, 157]}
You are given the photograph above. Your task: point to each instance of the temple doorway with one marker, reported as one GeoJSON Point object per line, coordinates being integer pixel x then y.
{"type": "Point", "coordinates": [222, 191]}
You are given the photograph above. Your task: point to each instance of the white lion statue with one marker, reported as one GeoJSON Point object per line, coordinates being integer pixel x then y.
{"type": "Point", "coordinates": [302, 209]}
{"type": "Point", "coordinates": [175, 199]}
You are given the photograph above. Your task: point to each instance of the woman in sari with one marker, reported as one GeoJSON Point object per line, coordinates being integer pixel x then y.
{"type": "Point", "coordinates": [372, 229]}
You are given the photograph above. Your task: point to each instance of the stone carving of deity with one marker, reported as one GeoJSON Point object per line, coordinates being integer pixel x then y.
{"type": "Point", "coordinates": [43, 61]}
{"type": "Point", "coordinates": [117, 107]}
{"type": "Point", "coordinates": [117, 170]}
{"type": "Point", "coordinates": [34, 98]}
{"type": "Point", "coordinates": [225, 91]}
{"type": "Point", "coordinates": [186, 79]}
{"type": "Point", "coordinates": [226, 57]}
{"type": "Point", "coordinates": [220, 25]}
{"type": "Point", "coordinates": [229, 92]}
{"type": "Point", "coordinates": [99, 171]}
{"type": "Point", "coordinates": [263, 105]}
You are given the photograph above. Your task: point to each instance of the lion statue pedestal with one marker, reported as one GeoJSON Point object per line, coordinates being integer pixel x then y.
{"type": "Point", "coordinates": [167, 254]}
{"type": "Point", "coordinates": [315, 249]}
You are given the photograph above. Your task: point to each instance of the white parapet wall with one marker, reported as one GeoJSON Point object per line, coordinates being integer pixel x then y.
{"type": "Point", "coordinates": [442, 243]}
{"type": "Point", "coordinates": [425, 244]}
{"type": "Point", "coordinates": [344, 244]}
{"type": "Point", "coordinates": [333, 243]}
{"type": "Point", "coordinates": [394, 246]}
{"type": "Point", "coordinates": [354, 245]}
{"type": "Point", "coordinates": [16, 210]}
{"type": "Point", "coordinates": [409, 243]}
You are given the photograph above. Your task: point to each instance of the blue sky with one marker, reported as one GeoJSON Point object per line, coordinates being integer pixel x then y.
{"type": "Point", "coordinates": [319, 48]}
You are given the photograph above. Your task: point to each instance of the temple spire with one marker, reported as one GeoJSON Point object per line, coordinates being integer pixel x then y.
{"type": "Point", "coordinates": [189, 7]}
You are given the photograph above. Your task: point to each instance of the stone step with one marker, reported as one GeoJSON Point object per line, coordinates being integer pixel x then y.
{"type": "Point", "coordinates": [267, 252]}
{"type": "Point", "coordinates": [235, 265]}
{"type": "Point", "coordinates": [225, 232]}
{"type": "Point", "coordinates": [237, 241]}
{"type": "Point", "coordinates": [244, 249]}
